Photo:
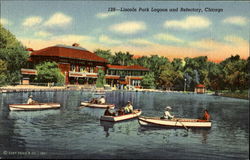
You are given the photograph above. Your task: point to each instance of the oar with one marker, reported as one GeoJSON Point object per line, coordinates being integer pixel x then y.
{"type": "Point", "coordinates": [182, 124]}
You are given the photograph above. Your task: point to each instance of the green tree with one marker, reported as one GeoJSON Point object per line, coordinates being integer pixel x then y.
{"type": "Point", "coordinates": [3, 70]}
{"type": "Point", "coordinates": [48, 72]}
{"type": "Point", "coordinates": [100, 82]}
{"type": "Point", "coordinates": [121, 58]}
{"type": "Point", "coordinates": [148, 81]}
{"type": "Point", "coordinates": [169, 76]}
{"type": "Point", "coordinates": [235, 73]}
{"type": "Point", "coordinates": [195, 71]}
{"type": "Point", "coordinates": [13, 53]}
{"type": "Point", "coordinates": [106, 54]}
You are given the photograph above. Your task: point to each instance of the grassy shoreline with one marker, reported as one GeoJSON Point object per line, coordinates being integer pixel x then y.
{"type": "Point", "coordinates": [237, 94]}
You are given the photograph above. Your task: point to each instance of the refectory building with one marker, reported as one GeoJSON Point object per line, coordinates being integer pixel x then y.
{"type": "Point", "coordinates": [81, 66]}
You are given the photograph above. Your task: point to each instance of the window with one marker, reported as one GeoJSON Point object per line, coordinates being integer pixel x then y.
{"type": "Point", "coordinates": [72, 67]}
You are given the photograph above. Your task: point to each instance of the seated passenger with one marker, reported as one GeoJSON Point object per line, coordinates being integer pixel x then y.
{"type": "Point", "coordinates": [167, 114]}
{"type": "Point", "coordinates": [206, 115]}
{"type": "Point", "coordinates": [121, 111]}
{"type": "Point", "coordinates": [94, 101]}
{"type": "Point", "coordinates": [31, 101]}
{"type": "Point", "coordinates": [102, 100]}
{"type": "Point", "coordinates": [109, 112]}
{"type": "Point", "coordinates": [128, 108]}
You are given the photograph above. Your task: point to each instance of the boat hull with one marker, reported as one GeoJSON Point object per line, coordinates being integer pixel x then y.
{"type": "Point", "coordinates": [33, 107]}
{"type": "Point", "coordinates": [136, 114]}
{"type": "Point", "coordinates": [177, 122]}
{"type": "Point", "coordinates": [87, 104]}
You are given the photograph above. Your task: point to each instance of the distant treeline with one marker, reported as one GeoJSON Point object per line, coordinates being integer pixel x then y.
{"type": "Point", "coordinates": [230, 74]}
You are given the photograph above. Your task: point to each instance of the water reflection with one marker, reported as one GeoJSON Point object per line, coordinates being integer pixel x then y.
{"type": "Point", "coordinates": [107, 126]}
{"type": "Point", "coordinates": [204, 132]}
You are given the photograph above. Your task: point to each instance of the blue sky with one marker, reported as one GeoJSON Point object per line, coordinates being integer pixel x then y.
{"type": "Point", "coordinates": [39, 24]}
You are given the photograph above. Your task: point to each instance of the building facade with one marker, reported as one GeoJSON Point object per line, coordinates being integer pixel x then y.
{"type": "Point", "coordinates": [81, 66]}
{"type": "Point", "coordinates": [78, 65]}
{"type": "Point", "coordinates": [120, 76]}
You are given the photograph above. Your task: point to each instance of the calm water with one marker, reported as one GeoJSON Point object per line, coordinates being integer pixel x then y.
{"type": "Point", "coordinates": [73, 132]}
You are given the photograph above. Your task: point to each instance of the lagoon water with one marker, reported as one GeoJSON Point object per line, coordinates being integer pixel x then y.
{"type": "Point", "coordinates": [72, 132]}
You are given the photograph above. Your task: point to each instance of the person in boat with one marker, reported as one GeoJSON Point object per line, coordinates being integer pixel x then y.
{"type": "Point", "coordinates": [109, 112]}
{"type": "Point", "coordinates": [167, 114]}
{"type": "Point", "coordinates": [94, 101]}
{"type": "Point", "coordinates": [128, 108]}
{"type": "Point", "coordinates": [102, 100]}
{"type": "Point", "coordinates": [206, 115]}
{"type": "Point", "coordinates": [31, 101]}
{"type": "Point", "coordinates": [120, 111]}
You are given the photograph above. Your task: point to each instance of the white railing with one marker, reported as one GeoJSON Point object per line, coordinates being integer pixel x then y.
{"type": "Point", "coordinates": [81, 74]}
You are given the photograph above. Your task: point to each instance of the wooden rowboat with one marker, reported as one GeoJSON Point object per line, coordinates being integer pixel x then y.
{"type": "Point", "coordinates": [135, 114]}
{"type": "Point", "coordinates": [176, 122]}
{"type": "Point", "coordinates": [33, 107]}
{"type": "Point", "coordinates": [92, 105]}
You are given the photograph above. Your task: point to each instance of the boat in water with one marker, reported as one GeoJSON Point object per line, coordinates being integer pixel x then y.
{"type": "Point", "coordinates": [93, 105]}
{"type": "Point", "coordinates": [175, 122]}
{"type": "Point", "coordinates": [33, 107]}
{"type": "Point", "coordinates": [136, 113]}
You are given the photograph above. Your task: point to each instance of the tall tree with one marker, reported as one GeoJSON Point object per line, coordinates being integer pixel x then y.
{"type": "Point", "coordinates": [169, 76]}
{"type": "Point", "coordinates": [148, 81]}
{"type": "Point", "coordinates": [235, 73]}
{"type": "Point", "coordinates": [106, 54]}
{"type": "Point", "coordinates": [121, 58]}
{"type": "Point", "coordinates": [100, 79]}
{"type": "Point", "coordinates": [13, 53]}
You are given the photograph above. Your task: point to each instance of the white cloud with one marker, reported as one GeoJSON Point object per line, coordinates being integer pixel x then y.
{"type": "Point", "coordinates": [168, 37]}
{"type": "Point", "coordinates": [208, 44]}
{"type": "Point", "coordinates": [129, 27]}
{"type": "Point", "coordinates": [43, 34]}
{"type": "Point", "coordinates": [32, 21]}
{"type": "Point", "coordinates": [236, 20]}
{"type": "Point", "coordinates": [191, 22]}
{"type": "Point", "coordinates": [58, 19]}
{"type": "Point", "coordinates": [140, 42]}
{"type": "Point", "coordinates": [108, 40]}
{"type": "Point", "coordinates": [106, 14]}
{"type": "Point", "coordinates": [4, 21]}
{"type": "Point", "coordinates": [71, 38]}
{"type": "Point", "coordinates": [235, 39]}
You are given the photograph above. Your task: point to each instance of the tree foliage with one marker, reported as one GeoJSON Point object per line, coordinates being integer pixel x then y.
{"type": "Point", "coordinates": [3, 70]}
{"type": "Point", "coordinates": [48, 72]}
{"type": "Point", "coordinates": [148, 81]}
{"type": "Point", "coordinates": [232, 73]}
{"type": "Point", "coordinates": [100, 79]}
{"type": "Point", "coordinates": [106, 54]}
{"type": "Point", "coordinates": [13, 53]}
{"type": "Point", "coordinates": [169, 77]}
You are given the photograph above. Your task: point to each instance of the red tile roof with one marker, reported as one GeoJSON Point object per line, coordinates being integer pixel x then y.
{"type": "Point", "coordinates": [133, 67]}
{"type": "Point", "coordinates": [68, 52]}
{"type": "Point", "coordinates": [200, 86]}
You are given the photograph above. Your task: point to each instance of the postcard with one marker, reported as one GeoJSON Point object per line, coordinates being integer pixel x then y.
{"type": "Point", "coordinates": [124, 79]}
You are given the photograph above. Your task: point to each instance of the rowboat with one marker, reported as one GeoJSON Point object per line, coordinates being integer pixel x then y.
{"type": "Point", "coordinates": [135, 114]}
{"type": "Point", "coordinates": [176, 122]}
{"type": "Point", "coordinates": [33, 107]}
{"type": "Point", "coordinates": [92, 105]}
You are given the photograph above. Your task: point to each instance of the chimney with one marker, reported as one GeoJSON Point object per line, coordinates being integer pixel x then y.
{"type": "Point", "coordinates": [75, 45]}
{"type": "Point", "coordinates": [29, 49]}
